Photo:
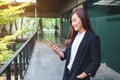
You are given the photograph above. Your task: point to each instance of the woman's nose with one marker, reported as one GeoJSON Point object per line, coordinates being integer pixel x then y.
{"type": "Point", "coordinates": [73, 23]}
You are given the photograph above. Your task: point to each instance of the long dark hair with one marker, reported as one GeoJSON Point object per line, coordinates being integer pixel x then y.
{"type": "Point", "coordinates": [82, 14]}
{"type": "Point", "coordinates": [85, 22]}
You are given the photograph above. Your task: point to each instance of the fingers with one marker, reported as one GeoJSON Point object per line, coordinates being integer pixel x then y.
{"type": "Point", "coordinates": [51, 45]}
{"type": "Point", "coordinates": [82, 75]}
{"type": "Point", "coordinates": [54, 48]}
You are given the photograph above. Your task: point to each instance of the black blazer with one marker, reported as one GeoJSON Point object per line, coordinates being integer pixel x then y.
{"type": "Point", "coordinates": [87, 59]}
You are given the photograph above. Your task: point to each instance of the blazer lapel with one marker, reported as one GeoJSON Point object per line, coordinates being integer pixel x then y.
{"type": "Point", "coordinates": [80, 49]}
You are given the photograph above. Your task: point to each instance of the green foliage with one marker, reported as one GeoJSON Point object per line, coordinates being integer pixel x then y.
{"type": "Point", "coordinates": [36, 22]}
{"type": "Point", "coordinates": [5, 53]}
{"type": "Point", "coordinates": [3, 2]}
{"type": "Point", "coordinates": [19, 31]}
{"type": "Point", "coordinates": [48, 22]}
{"type": "Point", "coordinates": [8, 15]}
{"type": "Point", "coordinates": [12, 13]}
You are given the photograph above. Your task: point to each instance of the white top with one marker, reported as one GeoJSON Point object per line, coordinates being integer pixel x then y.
{"type": "Point", "coordinates": [74, 48]}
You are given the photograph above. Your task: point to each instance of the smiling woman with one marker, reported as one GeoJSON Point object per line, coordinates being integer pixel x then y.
{"type": "Point", "coordinates": [83, 55]}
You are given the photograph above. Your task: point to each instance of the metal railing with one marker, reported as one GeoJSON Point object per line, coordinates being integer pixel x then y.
{"type": "Point", "coordinates": [20, 60]}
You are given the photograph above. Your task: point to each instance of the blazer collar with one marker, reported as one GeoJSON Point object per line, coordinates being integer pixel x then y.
{"type": "Point", "coordinates": [80, 49]}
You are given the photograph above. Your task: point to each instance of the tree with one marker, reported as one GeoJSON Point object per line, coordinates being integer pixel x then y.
{"type": "Point", "coordinates": [9, 15]}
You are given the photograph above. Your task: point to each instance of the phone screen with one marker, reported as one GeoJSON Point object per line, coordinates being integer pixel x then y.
{"type": "Point", "coordinates": [50, 41]}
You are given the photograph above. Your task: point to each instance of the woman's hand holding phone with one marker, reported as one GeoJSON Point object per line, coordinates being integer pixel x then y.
{"type": "Point", "coordinates": [50, 43]}
{"type": "Point", "coordinates": [55, 49]}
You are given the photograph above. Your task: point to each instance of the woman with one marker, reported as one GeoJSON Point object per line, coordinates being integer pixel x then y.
{"type": "Point", "coordinates": [83, 53]}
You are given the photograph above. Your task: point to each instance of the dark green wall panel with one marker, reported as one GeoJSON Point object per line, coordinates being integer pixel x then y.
{"type": "Point", "coordinates": [108, 28]}
{"type": "Point", "coordinates": [65, 29]}
{"type": "Point", "coordinates": [105, 21]}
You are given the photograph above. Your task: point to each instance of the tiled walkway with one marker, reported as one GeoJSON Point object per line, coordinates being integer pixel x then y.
{"type": "Point", "coordinates": [45, 65]}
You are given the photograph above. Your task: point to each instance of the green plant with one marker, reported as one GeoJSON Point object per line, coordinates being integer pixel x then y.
{"type": "Point", "coordinates": [5, 53]}
{"type": "Point", "coordinates": [9, 15]}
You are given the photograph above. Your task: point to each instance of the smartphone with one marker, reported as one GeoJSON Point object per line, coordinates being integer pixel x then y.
{"type": "Point", "coordinates": [50, 42]}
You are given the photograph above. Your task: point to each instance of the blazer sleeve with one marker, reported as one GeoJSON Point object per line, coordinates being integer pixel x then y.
{"type": "Point", "coordinates": [95, 56]}
{"type": "Point", "coordinates": [65, 54]}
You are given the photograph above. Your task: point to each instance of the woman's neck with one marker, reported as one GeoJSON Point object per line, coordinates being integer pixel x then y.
{"type": "Point", "coordinates": [82, 30]}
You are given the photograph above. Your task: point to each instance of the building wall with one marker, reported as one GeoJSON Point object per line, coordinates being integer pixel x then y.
{"type": "Point", "coordinates": [65, 24]}
{"type": "Point", "coordinates": [105, 21]}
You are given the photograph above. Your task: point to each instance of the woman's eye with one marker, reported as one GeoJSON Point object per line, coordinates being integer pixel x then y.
{"type": "Point", "coordinates": [74, 21]}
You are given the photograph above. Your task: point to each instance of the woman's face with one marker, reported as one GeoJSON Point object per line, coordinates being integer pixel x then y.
{"type": "Point", "coordinates": [76, 22]}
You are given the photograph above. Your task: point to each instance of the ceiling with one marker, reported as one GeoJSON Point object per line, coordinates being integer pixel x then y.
{"type": "Point", "coordinates": [49, 5]}
{"type": "Point", "coordinates": [48, 8]}
{"type": "Point", "coordinates": [42, 8]}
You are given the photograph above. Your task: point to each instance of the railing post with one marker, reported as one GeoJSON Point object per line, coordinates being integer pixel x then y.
{"type": "Point", "coordinates": [26, 55]}
{"type": "Point", "coordinates": [16, 69]}
{"type": "Point", "coordinates": [23, 56]}
{"type": "Point", "coordinates": [8, 73]}
{"type": "Point", "coordinates": [30, 48]}
{"type": "Point", "coordinates": [24, 61]}
{"type": "Point", "coordinates": [20, 66]}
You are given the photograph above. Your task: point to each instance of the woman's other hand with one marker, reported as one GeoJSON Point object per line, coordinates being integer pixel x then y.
{"type": "Point", "coordinates": [82, 75]}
